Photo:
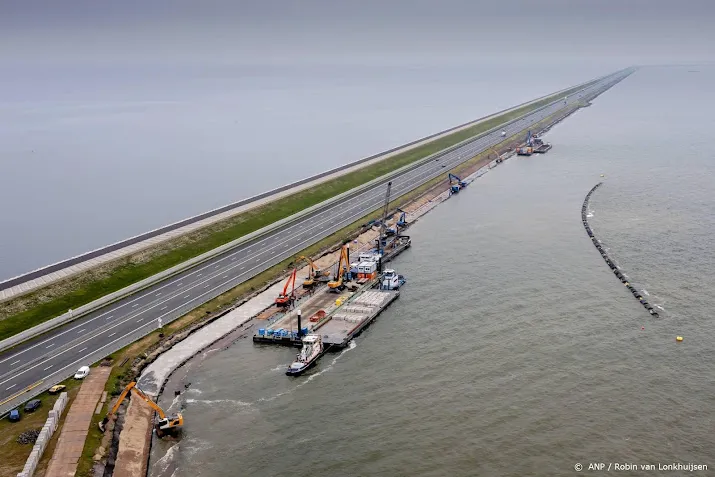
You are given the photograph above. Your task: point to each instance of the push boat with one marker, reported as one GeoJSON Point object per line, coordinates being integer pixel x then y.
{"type": "Point", "coordinates": [309, 354]}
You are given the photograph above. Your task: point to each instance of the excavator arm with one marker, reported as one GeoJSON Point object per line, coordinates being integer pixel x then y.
{"type": "Point", "coordinates": [337, 283]}
{"type": "Point", "coordinates": [165, 423]}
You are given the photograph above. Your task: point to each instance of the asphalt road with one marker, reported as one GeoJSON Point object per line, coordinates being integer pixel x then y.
{"type": "Point", "coordinates": [71, 346]}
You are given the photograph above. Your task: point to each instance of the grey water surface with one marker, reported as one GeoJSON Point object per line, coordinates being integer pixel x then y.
{"type": "Point", "coordinates": [90, 155]}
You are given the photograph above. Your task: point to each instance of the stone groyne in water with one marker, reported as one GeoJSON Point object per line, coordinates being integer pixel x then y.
{"type": "Point", "coordinates": [616, 270]}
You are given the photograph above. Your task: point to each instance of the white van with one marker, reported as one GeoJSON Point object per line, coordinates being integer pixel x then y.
{"type": "Point", "coordinates": [82, 372]}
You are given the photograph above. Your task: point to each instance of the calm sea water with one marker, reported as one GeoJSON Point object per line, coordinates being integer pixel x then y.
{"type": "Point", "coordinates": [513, 350]}
{"type": "Point", "coordinates": [90, 156]}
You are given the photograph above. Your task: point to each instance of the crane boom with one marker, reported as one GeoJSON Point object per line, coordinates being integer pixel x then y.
{"type": "Point", "coordinates": [165, 424]}
{"type": "Point", "coordinates": [343, 265]}
{"type": "Point", "coordinates": [381, 237]}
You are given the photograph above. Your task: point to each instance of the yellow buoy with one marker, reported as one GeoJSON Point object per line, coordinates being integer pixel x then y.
{"type": "Point", "coordinates": [679, 338]}
{"type": "Point", "coordinates": [603, 175]}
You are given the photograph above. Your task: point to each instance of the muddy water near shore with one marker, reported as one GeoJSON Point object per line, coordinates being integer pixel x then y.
{"type": "Point", "coordinates": [513, 350]}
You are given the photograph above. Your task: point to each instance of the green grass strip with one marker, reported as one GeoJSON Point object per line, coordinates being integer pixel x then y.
{"type": "Point", "coordinates": [247, 222]}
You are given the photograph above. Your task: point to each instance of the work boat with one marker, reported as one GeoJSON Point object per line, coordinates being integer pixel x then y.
{"type": "Point", "coordinates": [310, 352]}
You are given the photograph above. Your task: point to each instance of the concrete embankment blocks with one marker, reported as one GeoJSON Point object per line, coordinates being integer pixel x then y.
{"type": "Point", "coordinates": [48, 429]}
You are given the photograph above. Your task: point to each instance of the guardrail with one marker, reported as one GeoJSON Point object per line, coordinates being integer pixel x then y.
{"type": "Point", "coordinates": [9, 283]}
{"type": "Point", "coordinates": [283, 223]}
{"type": "Point", "coordinates": [111, 347]}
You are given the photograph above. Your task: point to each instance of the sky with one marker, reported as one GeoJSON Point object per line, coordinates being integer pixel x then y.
{"type": "Point", "coordinates": [113, 111]}
{"type": "Point", "coordinates": [608, 32]}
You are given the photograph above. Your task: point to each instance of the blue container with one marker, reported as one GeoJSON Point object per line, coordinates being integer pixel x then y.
{"type": "Point", "coordinates": [270, 332]}
{"type": "Point", "coordinates": [261, 332]}
{"type": "Point", "coordinates": [305, 331]}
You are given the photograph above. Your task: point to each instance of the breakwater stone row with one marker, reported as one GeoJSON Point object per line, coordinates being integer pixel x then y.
{"type": "Point", "coordinates": [616, 270]}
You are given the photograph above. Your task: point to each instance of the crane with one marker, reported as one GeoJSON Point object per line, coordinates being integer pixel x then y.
{"type": "Point", "coordinates": [528, 148]}
{"type": "Point", "coordinates": [402, 219]}
{"type": "Point", "coordinates": [284, 299]}
{"type": "Point", "coordinates": [164, 426]}
{"type": "Point", "coordinates": [315, 274]}
{"type": "Point", "coordinates": [337, 283]}
{"type": "Point", "coordinates": [381, 237]}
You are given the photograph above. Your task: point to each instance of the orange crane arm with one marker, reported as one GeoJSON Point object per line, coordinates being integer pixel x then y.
{"type": "Point", "coordinates": [131, 387]}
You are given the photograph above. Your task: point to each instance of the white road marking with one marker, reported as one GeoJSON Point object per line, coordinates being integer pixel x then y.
{"type": "Point", "coordinates": [50, 345]}
{"type": "Point", "coordinates": [179, 284]}
{"type": "Point", "coordinates": [12, 364]}
{"type": "Point", "coordinates": [140, 320]}
{"type": "Point", "coordinates": [47, 368]}
{"type": "Point", "coordinates": [164, 308]}
{"type": "Point", "coordinates": [187, 296]}
{"type": "Point", "coordinates": [109, 317]}
{"type": "Point", "coordinates": [11, 387]}
{"type": "Point", "coordinates": [225, 276]}
{"type": "Point", "coordinates": [82, 350]}
{"type": "Point", "coordinates": [158, 294]}
{"type": "Point", "coordinates": [112, 334]}
{"type": "Point", "coordinates": [80, 331]}
{"type": "Point", "coordinates": [135, 305]}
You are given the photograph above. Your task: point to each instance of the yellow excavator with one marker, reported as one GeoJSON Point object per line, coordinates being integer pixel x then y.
{"type": "Point", "coordinates": [337, 283]}
{"type": "Point", "coordinates": [315, 273]}
{"type": "Point", "coordinates": [164, 426]}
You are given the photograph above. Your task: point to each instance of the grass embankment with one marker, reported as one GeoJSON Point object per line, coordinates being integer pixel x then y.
{"type": "Point", "coordinates": [30, 310]}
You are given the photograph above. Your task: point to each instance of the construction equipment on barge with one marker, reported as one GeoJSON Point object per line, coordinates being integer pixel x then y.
{"type": "Point", "coordinates": [284, 299]}
{"type": "Point", "coordinates": [341, 275]}
{"type": "Point", "coordinates": [165, 425]}
{"type": "Point", "coordinates": [315, 275]}
{"type": "Point", "coordinates": [533, 145]}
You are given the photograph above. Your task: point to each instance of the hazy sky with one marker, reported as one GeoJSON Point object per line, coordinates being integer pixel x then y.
{"type": "Point", "coordinates": [611, 32]}
{"type": "Point", "coordinates": [112, 111]}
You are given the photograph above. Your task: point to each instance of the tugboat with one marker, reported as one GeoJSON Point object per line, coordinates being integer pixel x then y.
{"type": "Point", "coordinates": [391, 280]}
{"type": "Point", "coordinates": [310, 352]}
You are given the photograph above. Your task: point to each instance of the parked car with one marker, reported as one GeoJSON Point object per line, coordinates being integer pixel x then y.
{"type": "Point", "coordinates": [82, 372]}
{"type": "Point", "coordinates": [14, 415]}
{"type": "Point", "coordinates": [57, 389]}
{"type": "Point", "coordinates": [32, 405]}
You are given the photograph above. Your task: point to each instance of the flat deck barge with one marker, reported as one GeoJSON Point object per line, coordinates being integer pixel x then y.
{"type": "Point", "coordinates": [350, 319]}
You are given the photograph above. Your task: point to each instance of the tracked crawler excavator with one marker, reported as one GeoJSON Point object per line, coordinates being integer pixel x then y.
{"type": "Point", "coordinates": [338, 283]}
{"type": "Point", "coordinates": [315, 275]}
{"type": "Point", "coordinates": [284, 299]}
{"type": "Point", "coordinates": [165, 425]}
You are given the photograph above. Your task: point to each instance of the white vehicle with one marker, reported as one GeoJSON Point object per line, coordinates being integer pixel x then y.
{"type": "Point", "coordinates": [82, 372]}
{"type": "Point", "coordinates": [503, 133]}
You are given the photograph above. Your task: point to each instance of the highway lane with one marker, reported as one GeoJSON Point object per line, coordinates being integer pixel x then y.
{"type": "Point", "coordinates": [67, 346]}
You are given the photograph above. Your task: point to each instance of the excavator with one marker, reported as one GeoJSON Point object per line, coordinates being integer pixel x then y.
{"type": "Point", "coordinates": [166, 425]}
{"type": "Point", "coordinates": [455, 184]}
{"type": "Point", "coordinates": [284, 299]}
{"type": "Point", "coordinates": [316, 275]}
{"type": "Point", "coordinates": [338, 283]}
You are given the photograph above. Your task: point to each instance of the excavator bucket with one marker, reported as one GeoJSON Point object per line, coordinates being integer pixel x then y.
{"type": "Point", "coordinates": [103, 424]}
